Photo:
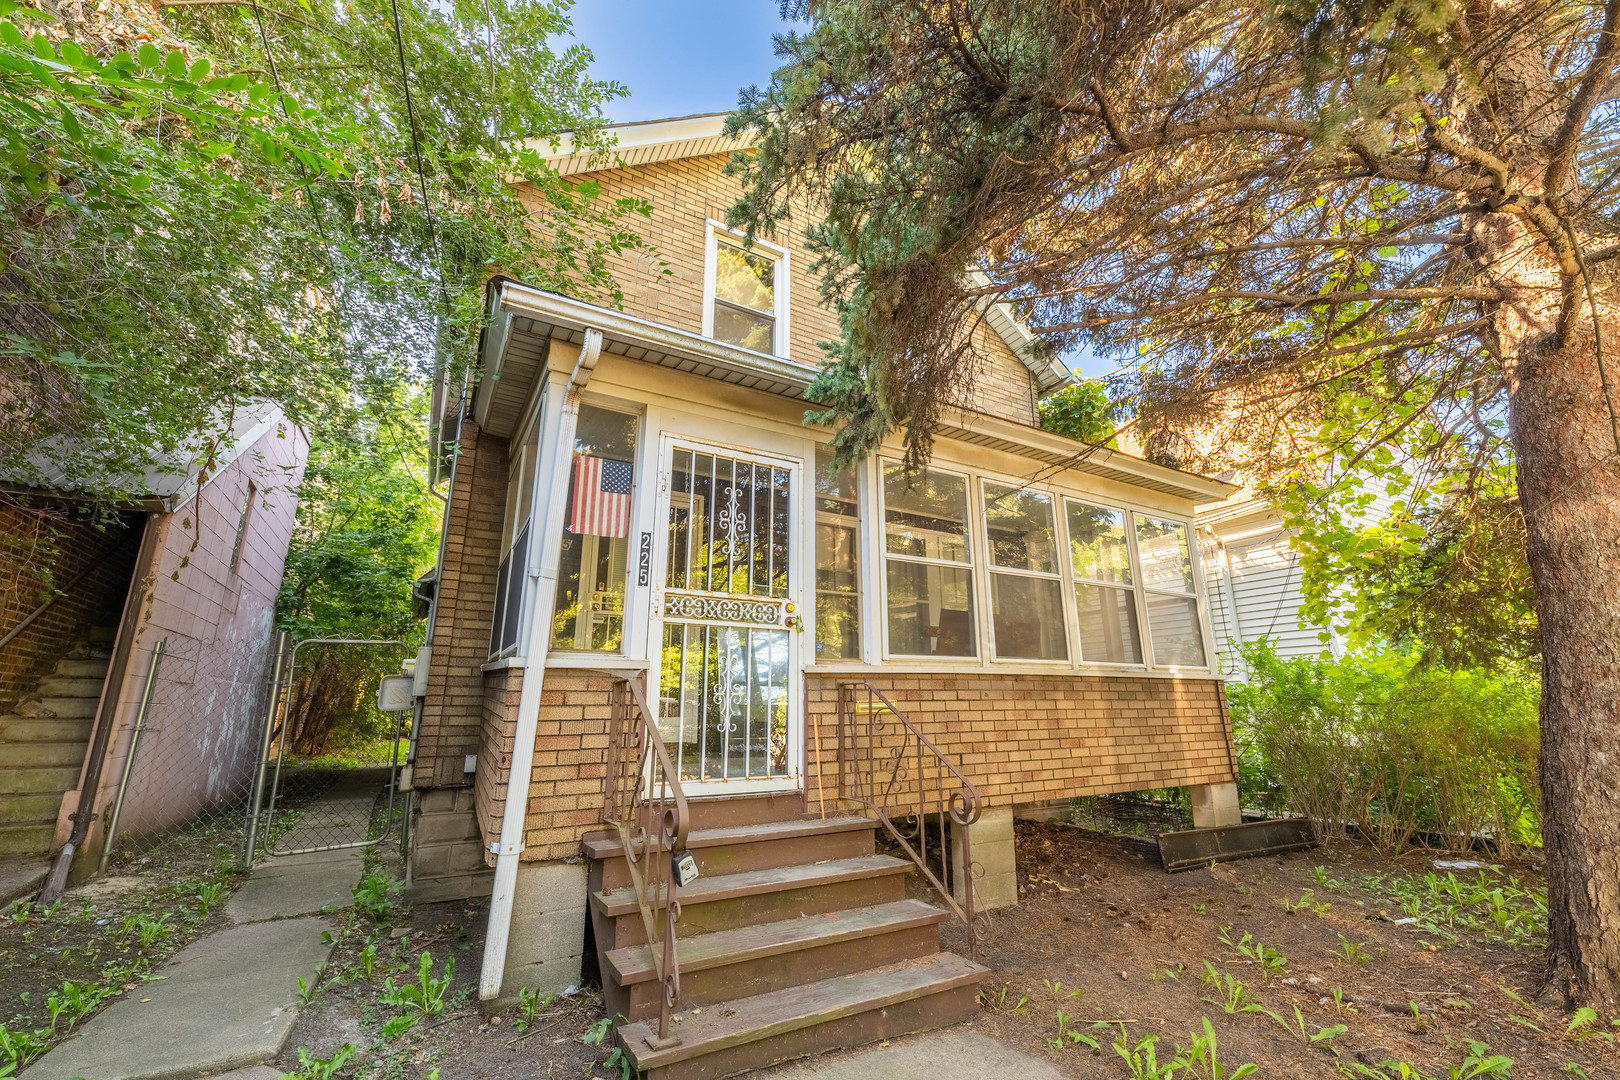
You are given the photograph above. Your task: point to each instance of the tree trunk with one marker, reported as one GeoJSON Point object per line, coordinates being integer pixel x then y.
{"type": "Point", "coordinates": [1569, 484]}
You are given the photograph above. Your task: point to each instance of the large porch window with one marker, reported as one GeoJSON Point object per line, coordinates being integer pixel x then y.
{"type": "Point", "coordinates": [1104, 600]}
{"type": "Point", "coordinates": [1171, 592]}
{"type": "Point", "coordinates": [1026, 588]}
{"type": "Point", "coordinates": [509, 580]}
{"type": "Point", "coordinates": [838, 561]}
{"type": "Point", "coordinates": [594, 562]}
{"type": "Point", "coordinates": [929, 587]}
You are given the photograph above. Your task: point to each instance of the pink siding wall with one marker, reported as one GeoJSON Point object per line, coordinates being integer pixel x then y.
{"type": "Point", "coordinates": [198, 746]}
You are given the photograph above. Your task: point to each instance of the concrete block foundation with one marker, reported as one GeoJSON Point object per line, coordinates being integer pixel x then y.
{"type": "Point", "coordinates": [447, 849]}
{"type": "Point", "coordinates": [1215, 805]}
{"type": "Point", "coordinates": [995, 870]}
{"type": "Point", "coordinates": [547, 942]}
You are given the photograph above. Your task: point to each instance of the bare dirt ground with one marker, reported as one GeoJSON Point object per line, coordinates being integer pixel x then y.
{"type": "Point", "coordinates": [1103, 936]}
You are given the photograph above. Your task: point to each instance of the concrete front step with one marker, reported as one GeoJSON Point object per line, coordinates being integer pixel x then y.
{"type": "Point", "coordinates": [82, 669]}
{"type": "Point", "coordinates": [773, 956]}
{"type": "Point", "coordinates": [735, 848]}
{"type": "Point", "coordinates": [67, 686]}
{"type": "Point", "coordinates": [26, 839]}
{"type": "Point", "coordinates": [14, 755]}
{"type": "Point", "coordinates": [35, 808]}
{"type": "Point", "coordinates": [756, 896]}
{"type": "Point", "coordinates": [29, 780]}
{"type": "Point", "coordinates": [70, 708]}
{"type": "Point", "coordinates": [753, 1032]}
{"type": "Point", "coordinates": [43, 729]}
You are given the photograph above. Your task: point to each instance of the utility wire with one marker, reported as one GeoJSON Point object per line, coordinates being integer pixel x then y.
{"type": "Point", "coordinates": [416, 148]}
{"type": "Point", "coordinates": [281, 95]}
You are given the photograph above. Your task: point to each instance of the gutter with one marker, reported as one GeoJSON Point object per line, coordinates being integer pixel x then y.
{"type": "Point", "coordinates": [560, 411]}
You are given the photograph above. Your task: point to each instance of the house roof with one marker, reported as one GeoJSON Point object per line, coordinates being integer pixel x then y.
{"type": "Point", "coordinates": [648, 142]}
{"type": "Point", "coordinates": [525, 319]}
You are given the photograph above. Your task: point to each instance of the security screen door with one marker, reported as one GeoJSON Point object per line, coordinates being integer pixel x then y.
{"type": "Point", "coordinates": [728, 685]}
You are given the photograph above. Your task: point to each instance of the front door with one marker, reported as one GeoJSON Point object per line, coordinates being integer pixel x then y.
{"type": "Point", "coordinates": [728, 700]}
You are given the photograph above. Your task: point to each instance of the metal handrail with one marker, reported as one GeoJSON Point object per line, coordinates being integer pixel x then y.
{"type": "Point", "coordinates": [646, 804]}
{"type": "Point", "coordinates": [875, 771]}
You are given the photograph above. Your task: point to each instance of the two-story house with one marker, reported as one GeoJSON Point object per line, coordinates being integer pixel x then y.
{"type": "Point", "coordinates": [664, 627]}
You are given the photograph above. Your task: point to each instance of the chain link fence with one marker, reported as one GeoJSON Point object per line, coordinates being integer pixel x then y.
{"type": "Point", "coordinates": [250, 750]}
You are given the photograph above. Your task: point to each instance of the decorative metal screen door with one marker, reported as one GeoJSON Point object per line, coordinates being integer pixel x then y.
{"type": "Point", "coordinates": [728, 703]}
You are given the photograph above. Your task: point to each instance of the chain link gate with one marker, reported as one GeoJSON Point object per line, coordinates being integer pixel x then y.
{"type": "Point", "coordinates": [302, 806]}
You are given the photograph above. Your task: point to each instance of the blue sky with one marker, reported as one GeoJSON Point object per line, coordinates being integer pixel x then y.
{"type": "Point", "coordinates": [680, 57]}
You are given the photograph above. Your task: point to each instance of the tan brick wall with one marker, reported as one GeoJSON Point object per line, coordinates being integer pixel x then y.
{"type": "Point", "coordinates": [1020, 739]}
{"type": "Point", "coordinates": [684, 194]}
{"type": "Point", "coordinates": [452, 715]}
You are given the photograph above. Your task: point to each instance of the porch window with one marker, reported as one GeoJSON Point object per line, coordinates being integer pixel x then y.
{"type": "Point", "coordinates": [1170, 592]}
{"type": "Point", "coordinates": [745, 293]}
{"type": "Point", "coordinates": [1026, 590]}
{"type": "Point", "coordinates": [503, 634]}
{"type": "Point", "coordinates": [595, 556]}
{"type": "Point", "coordinates": [838, 566]}
{"type": "Point", "coordinates": [929, 582]}
{"type": "Point", "coordinates": [1104, 598]}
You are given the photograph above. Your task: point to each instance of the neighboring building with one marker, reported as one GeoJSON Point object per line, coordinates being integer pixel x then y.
{"type": "Point", "coordinates": [637, 496]}
{"type": "Point", "coordinates": [195, 563]}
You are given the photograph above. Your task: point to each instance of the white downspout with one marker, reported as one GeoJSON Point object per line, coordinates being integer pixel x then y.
{"type": "Point", "coordinates": [559, 411]}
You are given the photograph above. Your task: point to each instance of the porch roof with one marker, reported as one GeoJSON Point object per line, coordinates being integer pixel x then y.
{"type": "Point", "coordinates": [524, 319]}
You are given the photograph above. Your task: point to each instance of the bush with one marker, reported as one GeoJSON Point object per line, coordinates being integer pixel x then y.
{"type": "Point", "coordinates": [1403, 753]}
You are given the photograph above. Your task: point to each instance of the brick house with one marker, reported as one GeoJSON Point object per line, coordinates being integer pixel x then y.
{"type": "Point", "coordinates": [639, 521]}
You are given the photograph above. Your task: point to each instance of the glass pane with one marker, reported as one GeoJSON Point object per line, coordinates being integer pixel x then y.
{"type": "Point", "coordinates": [1173, 624]}
{"type": "Point", "coordinates": [1028, 619]}
{"type": "Point", "coordinates": [838, 562]}
{"type": "Point", "coordinates": [1097, 543]}
{"type": "Point", "coordinates": [751, 331]}
{"type": "Point", "coordinates": [595, 544]}
{"type": "Point", "coordinates": [745, 278]}
{"type": "Point", "coordinates": [927, 516]}
{"type": "Point", "coordinates": [1166, 556]}
{"type": "Point", "coordinates": [930, 610]}
{"type": "Point", "coordinates": [1021, 530]}
{"type": "Point", "coordinates": [1108, 629]}
{"type": "Point", "coordinates": [723, 709]}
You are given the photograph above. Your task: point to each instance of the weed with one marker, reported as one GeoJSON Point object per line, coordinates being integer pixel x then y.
{"type": "Point", "coordinates": [18, 1048]}
{"type": "Point", "coordinates": [1200, 909]}
{"type": "Point", "coordinates": [529, 1004]}
{"type": "Point", "coordinates": [1168, 973]}
{"type": "Point", "coordinates": [1057, 989]}
{"type": "Point", "coordinates": [147, 930]}
{"type": "Point", "coordinates": [376, 893]}
{"type": "Point", "coordinates": [1068, 1037]}
{"type": "Point", "coordinates": [617, 1058]}
{"type": "Point", "coordinates": [1352, 952]}
{"type": "Point", "coordinates": [1142, 1059]}
{"type": "Point", "coordinates": [368, 959]}
{"type": "Point", "coordinates": [21, 911]}
{"type": "Point", "coordinates": [1272, 963]}
{"type": "Point", "coordinates": [996, 1001]}
{"type": "Point", "coordinates": [1477, 1064]}
{"type": "Point", "coordinates": [395, 1026]}
{"type": "Point", "coordinates": [1325, 881]}
{"type": "Point", "coordinates": [426, 996]}
{"type": "Point", "coordinates": [311, 1067]}
{"type": "Point", "coordinates": [1500, 911]}
{"type": "Point", "coordinates": [307, 989]}
{"type": "Point", "coordinates": [1201, 1060]}
{"type": "Point", "coordinates": [1340, 1003]}
{"type": "Point", "coordinates": [1234, 996]}
{"type": "Point", "coordinates": [1323, 1036]}
{"type": "Point", "coordinates": [1583, 1025]}
{"type": "Point", "coordinates": [1306, 902]}
{"type": "Point", "coordinates": [208, 897]}
{"type": "Point", "coordinates": [74, 1002]}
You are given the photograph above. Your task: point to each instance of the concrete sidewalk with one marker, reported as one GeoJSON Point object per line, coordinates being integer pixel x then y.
{"type": "Point", "coordinates": [226, 1001]}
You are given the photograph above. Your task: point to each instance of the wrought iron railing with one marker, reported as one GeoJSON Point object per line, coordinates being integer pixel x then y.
{"type": "Point", "coordinates": [888, 767]}
{"type": "Point", "coordinates": [646, 805]}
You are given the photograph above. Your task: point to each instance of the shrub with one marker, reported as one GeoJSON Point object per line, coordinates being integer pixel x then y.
{"type": "Point", "coordinates": [1403, 753]}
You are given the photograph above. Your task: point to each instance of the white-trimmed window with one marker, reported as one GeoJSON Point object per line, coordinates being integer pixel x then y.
{"type": "Point", "coordinates": [513, 572]}
{"type": "Point", "coordinates": [745, 291]}
{"type": "Point", "coordinates": [1027, 620]}
{"type": "Point", "coordinates": [928, 576]}
{"type": "Point", "coordinates": [1104, 598]}
{"type": "Point", "coordinates": [1170, 592]}
{"type": "Point", "coordinates": [838, 561]}
{"type": "Point", "coordinates": [593, 564]}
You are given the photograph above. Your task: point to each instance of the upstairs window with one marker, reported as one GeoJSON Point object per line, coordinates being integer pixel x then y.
{"type": "Point", "coordinates": [1170, 592]}
{"type": "Point", "coordinates": [838, 561]}
{"type": "Point", "coordinates": [745, 292]}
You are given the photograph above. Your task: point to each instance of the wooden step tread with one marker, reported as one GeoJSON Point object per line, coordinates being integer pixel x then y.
{"type": "Point", "coordinates": [752, 882]}
{"type": "Point", "coordinates": [703, 951]}
{"type": "Point", "coordinates": [746, 1020]}
{"type": "Point", "coordinates": [608, 846]}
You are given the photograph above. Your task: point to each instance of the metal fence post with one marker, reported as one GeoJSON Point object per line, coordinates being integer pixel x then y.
{"type": "Point", "coordinates": [264, 751]}
{"type": "Point", "coordinates": [129, 759]}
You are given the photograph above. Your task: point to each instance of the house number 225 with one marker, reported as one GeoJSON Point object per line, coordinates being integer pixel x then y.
{"type": "Point", "coordinates": [644, 560]}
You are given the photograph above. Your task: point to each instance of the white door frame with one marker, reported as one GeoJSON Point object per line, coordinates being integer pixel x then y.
{"type": "Point", "coordinates": [669, 442]}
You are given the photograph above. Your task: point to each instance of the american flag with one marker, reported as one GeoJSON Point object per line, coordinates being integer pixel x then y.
{"type": "Point", "coordinates": [601, 497]}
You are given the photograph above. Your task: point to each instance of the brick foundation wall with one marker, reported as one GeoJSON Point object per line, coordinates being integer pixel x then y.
{"type": "Point", "coordinates": [64, 542]}
{"type": "Point", "coordinates": [452, 712]}
{"type": "Point", "coordinates": [447, 851]}
{"type": "Point", "coordinates": [1020, 739]}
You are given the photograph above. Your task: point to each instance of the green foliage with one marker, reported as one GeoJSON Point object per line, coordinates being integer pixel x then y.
{"type": "Point", "coordinates": [1497, 909]}
{"type": "Point", "coordinates": [1269, 960]}
{"type": "Point", "coordinates": [1478, 1063]}
{"type": "Point", "coordinates": [1403, 752]}
{"type": "Point", "coordinates": [426, 996]}
{"type": "Point", "coordinates": [74, 1002]}
{"type": "Point", "coordinates": [18, 1048]}
{"type": "Point", "coordinates": [530, 1004]}
{"type": "Point", "coordinates": [1082, 411]}
{"type": "Point", "coordinates": [311, 1067]}
{"type": "Point", "coordinates": [376, 894]}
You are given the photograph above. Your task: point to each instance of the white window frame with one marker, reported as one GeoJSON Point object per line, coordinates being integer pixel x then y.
{"type": "Point", "coordinates": [1198, 595]}
{"type": "Point", "coordinates": [1060, 555]}
{"type": "Point", "coordinates": [862, 527]}
{"type": "Point", "coordinates": [783, 332]}
{"type": "Point", "coordinates": [976, 585]}
{"type": "Point", "coordinates": [1134, 588]}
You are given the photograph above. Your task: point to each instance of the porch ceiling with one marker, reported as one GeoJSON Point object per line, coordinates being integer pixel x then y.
{"type": "Point", "coordinates": [524, 320]}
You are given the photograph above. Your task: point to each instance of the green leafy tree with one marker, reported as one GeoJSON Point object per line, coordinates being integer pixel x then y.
{"type": "Point", "coordinates": [1410, 202]}
{"type": "Point", "coordinates": [1082, 410]}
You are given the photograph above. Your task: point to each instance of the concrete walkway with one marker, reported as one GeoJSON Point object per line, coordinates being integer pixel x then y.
{"type": "Point", "coordinates": [954, 1053]}
{"type": "Point", "coordinates": [228, 1001]}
